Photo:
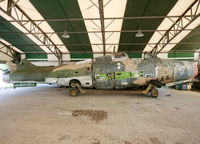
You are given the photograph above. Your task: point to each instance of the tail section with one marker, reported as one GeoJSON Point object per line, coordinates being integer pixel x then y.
{"type": "Point", "coordinates": [26, 64]}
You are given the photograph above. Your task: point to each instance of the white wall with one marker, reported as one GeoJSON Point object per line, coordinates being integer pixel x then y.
{"type": "Point", "coordinates": [51, 60]}
{"type": "Point", "coordinates": [4, 57]}
{"type": "Point", "coordinates": [163, 55]}
{"type": "Point", "coordinates": [196, 55]}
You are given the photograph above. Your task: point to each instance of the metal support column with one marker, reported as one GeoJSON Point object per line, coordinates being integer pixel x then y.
{"type": "Point", "coordinates": [101, 12]}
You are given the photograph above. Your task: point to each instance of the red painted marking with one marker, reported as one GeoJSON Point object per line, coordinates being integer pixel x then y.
{"type": "Point", "coordinates": [195, 69]}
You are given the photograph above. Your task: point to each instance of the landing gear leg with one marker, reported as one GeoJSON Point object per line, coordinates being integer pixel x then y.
{"type": "Point", "coordinates": [76, 90]}
{"type": "Point", "coordinates": [73, 92]}
{"type": "Point", "coordinates": [154, 93]}
{"type": "Point", "coordinates": [151, 88]}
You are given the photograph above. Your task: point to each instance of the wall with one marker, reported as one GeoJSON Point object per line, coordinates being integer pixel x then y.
{"type": "Point", "coordinates": [50, 60]}
{"type": "Point", "coordinates": [4, 58]}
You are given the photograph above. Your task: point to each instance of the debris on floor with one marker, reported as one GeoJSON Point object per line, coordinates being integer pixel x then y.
{"type": "Point", "coordinates": [155, 140]}
{"type": "Point", "coordinates": [127, 142]}
{"type": "Point", "coordinates": [95, 142]}
{"type": "Point", "coordinates": [95, 115]}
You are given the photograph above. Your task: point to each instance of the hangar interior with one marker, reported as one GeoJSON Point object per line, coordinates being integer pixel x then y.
{"type": "Point", "coordinates": [58, 32]}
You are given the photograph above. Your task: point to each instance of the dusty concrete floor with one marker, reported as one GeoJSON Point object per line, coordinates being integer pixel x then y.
{"type": "Point", "coordinates": [46, 115]}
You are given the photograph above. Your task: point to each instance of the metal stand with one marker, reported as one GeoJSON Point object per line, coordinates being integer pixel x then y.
{"type": "Point", "coordinates": [77, 90]}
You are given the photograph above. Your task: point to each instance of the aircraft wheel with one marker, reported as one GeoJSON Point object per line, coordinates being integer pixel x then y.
{"type": "Point", "coordinates": [154, 93]}
{"type": "Point", "coordinates": [73, 92]}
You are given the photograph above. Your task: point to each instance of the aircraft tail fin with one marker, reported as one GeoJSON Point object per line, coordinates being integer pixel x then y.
{"type": "Point", "coordinates": [26, 64]}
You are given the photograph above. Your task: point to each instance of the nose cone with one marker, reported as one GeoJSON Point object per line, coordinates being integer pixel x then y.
{"type": "Point", "coordinates": [6, 77]}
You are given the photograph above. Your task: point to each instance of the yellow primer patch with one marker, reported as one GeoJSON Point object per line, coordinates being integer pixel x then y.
{"type": "Point", "coordinates": [131, 65]}
{"type": "Point", "coordinates": [72, 66]}
{"type": "Point", "coordinates": [141, 81]}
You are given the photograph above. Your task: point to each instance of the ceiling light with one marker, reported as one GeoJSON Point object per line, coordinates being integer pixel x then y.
{"type": "Point", "coordinates": [65, 35]}
{"type": "Point", "coordinates": [139, 33]}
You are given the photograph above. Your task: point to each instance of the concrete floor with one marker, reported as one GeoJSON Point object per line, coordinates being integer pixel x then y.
{"type": "Point", "coordinates": [47, 115]}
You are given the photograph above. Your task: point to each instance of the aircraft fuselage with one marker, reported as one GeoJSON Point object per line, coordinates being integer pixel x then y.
{"type": "Point", "coordinates": [108, 73]}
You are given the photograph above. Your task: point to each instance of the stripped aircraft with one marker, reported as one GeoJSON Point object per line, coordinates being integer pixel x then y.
{"type": "Point", "coordinates": [115, 71]}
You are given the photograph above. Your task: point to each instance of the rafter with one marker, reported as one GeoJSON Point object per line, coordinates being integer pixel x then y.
{"type": "Point", "coordinates": [32, 27]}
{"type": "Point", "coordinates": [106, 18]}
{"type": "Point", "coordinates": [109, 52]}
{"type": "Point", "coordinates": [8, 50]}
{"type": "Point", "coordinates": [101, 13]}
{"type": "Point", "coordinates": [87, 44]}
{"type": "Point", "coordinates": [81, 32]}
{"type": "Point", "coordinates": [179, 25]}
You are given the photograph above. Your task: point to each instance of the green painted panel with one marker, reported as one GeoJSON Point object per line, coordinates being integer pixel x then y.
{"type": "Point", "coordinates": [36, 56]}
{"type": "Point", "coordinates": [122, 75]}
{"type": "Point", "coordinates": [65, 9]}
{"type": "Point", "coordinates": [143, 8]}
{"type": "Point", "coordinates": [81, 55]}
{"type": "Point", "coordinates": [103, 75]}
{"type": "Point", "coordinates": [180, 55]}
{"type": "Point", "coordinates": [135, 55]}
{"type": "Point", "coordinates": [24, 85]}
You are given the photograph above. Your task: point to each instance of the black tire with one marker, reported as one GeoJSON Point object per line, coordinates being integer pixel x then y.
{"type": "Point", "coordinates": [74, 81]}
{"type": "Point", "coordinates": [154, 93]}
{"type": "Point", "coordinates": [156, 83]}
{"type": "Point", "coordinates": [74, 92]}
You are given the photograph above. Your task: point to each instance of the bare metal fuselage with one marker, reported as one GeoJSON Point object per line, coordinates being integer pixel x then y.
{"type": "Point", "coordinates": [107, 73]}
